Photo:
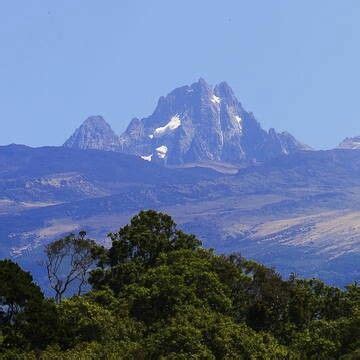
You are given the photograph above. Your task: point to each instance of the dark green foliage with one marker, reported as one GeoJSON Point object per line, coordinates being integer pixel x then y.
{"type": "Point", "coordinates": [157, 294]}
{"type": "Point", "coordinates": [147, 236]}
{"type": "Point", "coordinates": [28, 320]}
{"type": "Point", "coordinates": [16, 291]}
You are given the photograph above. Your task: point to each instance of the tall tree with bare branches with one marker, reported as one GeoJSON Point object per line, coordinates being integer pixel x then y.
{"type": "Point", "coordinates": [68, 261]}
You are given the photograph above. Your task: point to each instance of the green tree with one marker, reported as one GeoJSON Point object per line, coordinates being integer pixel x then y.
{"type": "Point", "coordinates": [17, 290]}
{"type": "Point", "coordinates": [180, 278]}
{"type": "Point", "coordinates": [149, 234]}
{"type": "Point", "coordinates": [28, 320]}
{"type": "Point", "coordinates": [138, 246]}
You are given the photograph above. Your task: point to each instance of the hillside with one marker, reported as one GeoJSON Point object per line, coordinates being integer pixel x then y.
{"type": "Point", "coordinates": [297, 212]}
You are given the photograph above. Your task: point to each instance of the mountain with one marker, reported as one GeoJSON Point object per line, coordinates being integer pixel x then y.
{"type": "Point", "coordinates": [298, 212]}
{"type": "Point", "coordinates": [199, 123]}
{"type": "Point", "coordinates": [350, 143]}
{"type": "Point", "coordinates": [94, 133]}
{"type": "Point", "coordinates": [193, 124]}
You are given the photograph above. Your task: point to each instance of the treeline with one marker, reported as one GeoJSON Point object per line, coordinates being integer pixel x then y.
{"type": "Point", "coordinates": [157, 294]}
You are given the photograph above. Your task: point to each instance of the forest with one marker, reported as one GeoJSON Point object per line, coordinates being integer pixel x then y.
{"type": "Point", "coordinates": [157, 293]}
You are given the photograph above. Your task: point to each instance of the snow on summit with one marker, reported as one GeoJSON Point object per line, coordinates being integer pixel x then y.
{"type": "Point", "coordinates": [172, 125]}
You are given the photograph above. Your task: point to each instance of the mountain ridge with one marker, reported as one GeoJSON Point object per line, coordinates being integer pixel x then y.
{"type": "Point", "coordinates": [196, 123]}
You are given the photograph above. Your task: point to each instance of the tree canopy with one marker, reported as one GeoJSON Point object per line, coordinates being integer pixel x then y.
{"type": "Point", "coordinates": [156, 293]}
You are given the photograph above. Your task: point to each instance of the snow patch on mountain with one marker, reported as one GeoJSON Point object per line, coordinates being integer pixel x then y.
{"type": "Point", "coordinates": [161, 151]}
{"type": "Point", "coordinates": [238, 119]}
{"type": "Point", "coordinates": [147, 158]}
{"type": "Point", "coordinates": [215, 99]}
{"type": "Point", "coordinates": [172, 125]}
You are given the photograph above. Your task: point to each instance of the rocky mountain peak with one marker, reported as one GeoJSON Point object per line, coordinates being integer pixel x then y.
{"type": "Point", "coordinates": [201, 84]}
{"type": "Point", "coordinates": [192, 124]}
{"type": "Point", "coordinates": [94, 133]}
{"type": "Point", "coordinates": [224, 91]}
{"type": "Point", "coordinates": [95, 120]}
{"type": "Point", "coordinates": [201, 123]}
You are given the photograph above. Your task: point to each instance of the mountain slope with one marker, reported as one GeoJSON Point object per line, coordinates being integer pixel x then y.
{"type": "Point", "coordinates": [298, 212]}
{"type": "Point", "coordinates": [62, 174]}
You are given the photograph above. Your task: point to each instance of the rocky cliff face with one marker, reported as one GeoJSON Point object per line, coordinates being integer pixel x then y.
{"type": "Point", "coordinates": [199, 123]}
{"type": "Point", "coordinates": [192, 124]}
{"type": "Point", "coordinates": [94, 133]}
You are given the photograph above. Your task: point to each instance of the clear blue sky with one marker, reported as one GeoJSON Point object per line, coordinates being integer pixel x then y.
{"type": "Point", "coordinates": [295, 64]}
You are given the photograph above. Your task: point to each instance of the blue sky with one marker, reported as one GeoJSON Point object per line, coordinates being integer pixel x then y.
{"type": "Point", "coordinates": [295, 64]}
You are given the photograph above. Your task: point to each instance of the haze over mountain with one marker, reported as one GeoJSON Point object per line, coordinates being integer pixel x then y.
{"type": "Point", "coordinates": [192, 124]}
